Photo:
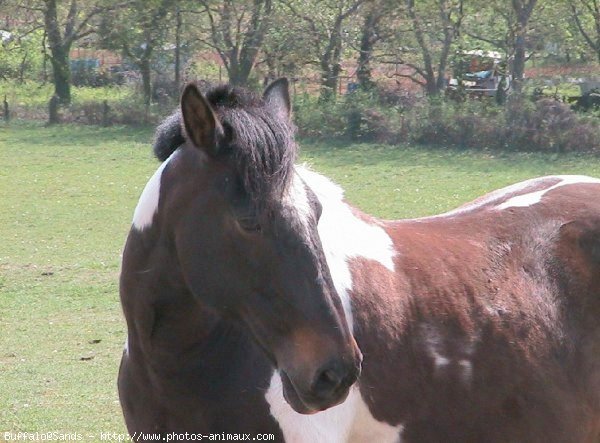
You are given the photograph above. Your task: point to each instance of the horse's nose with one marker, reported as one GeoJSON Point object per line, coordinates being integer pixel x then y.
{"type": "Point", "coordinates": [333, 379]}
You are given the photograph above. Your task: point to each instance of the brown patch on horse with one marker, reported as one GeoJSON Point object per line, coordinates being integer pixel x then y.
{"type": "Point", "coordinates": [468, 341]}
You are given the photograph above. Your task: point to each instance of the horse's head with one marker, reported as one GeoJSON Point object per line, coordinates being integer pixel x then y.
{"type": "Point", "coordinates": [244, 226]}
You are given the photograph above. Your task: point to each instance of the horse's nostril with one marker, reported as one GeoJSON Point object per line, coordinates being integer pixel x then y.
{"type": "Point", "coordinates": [329, 377]}
{"type": "Point", "coordinates": [328, 380]}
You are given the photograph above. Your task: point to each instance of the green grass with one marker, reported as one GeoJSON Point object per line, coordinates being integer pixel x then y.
{"type": "Point", "coordinates": [67, 199]}
{"type": "Point", "coordinates": [67, 196]}
{"type": "Point", "coordinates": [36, 95]}
{"type": "Point", "coordinates": [403, 182]}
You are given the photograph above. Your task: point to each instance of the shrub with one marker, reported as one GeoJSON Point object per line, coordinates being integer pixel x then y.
{"type": "Point", "coordinates": [319, 120]}
{"type": "Point", "coordinates": [520, 125]}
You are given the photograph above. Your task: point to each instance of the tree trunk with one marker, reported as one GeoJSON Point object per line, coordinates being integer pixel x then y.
{"type": "Point", "coordinates": [233, 68]}
{"type": "Point", "coordinates": [329, 81]}
{"type": "Point", "coordinates": [44, 59]}
{"type": "Point", "coordinates": [178, 51]}
{"type": "Point", "coordinates": [523, 13]}
{"type": "Point", "coordinates": [431, 86]}
{"type": "Point", "coordinates": [53, 105]}
{"type": "Point", "coordinates": [146, 80]}
{"type": "Point", "coordinates": [252, 41]}
{"type": "Point", "coordinates": [330, 64]}
{"type": "Point", "coordinates": [330, 72]}
{"type": "Point", "coordinates": [427, 72]}
{"type": "Point", "coordinates": [519, 62]}
{"type": "Point", "coordinates": [59, 54]}
{"type": "Point", "coordinates": [62, 76]}
{"type": "Point", "coordinates": [6, 111]}
{"type": "Point", "coordinates": [367, 43]}
{"type": "Point", "coordinates": [22, 68]}
{"type": "Point", "coordinates": [239, 69]}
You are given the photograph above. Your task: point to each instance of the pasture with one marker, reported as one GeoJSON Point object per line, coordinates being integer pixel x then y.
{"type": "Point", "coordinates": [67, 197]}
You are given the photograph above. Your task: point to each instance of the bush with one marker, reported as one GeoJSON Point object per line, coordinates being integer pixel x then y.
{"type": "Point", "coordinates": [520, 125]}
{"type": "Point", "coordinates": [319, 120]}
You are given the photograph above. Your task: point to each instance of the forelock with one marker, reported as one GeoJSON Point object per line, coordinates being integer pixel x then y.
{"type": "Point", "coordinates": [260, 144]}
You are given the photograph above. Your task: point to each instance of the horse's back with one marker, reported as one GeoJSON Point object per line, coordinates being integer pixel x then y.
{"type": "Point", "coordinates": [529, 194]}
{"type": "Point", "coordinates": [498, 306]}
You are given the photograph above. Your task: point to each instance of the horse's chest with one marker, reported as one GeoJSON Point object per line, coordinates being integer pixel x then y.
{"type": "Point", "coordinates": [349, 422]}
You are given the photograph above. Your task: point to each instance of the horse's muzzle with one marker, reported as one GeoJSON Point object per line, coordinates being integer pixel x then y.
{"type": "Point", "coordinates": [329, 386]}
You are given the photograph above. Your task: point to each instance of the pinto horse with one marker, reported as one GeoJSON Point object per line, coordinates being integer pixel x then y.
{"type": "Point", "coordinates": [245, 279]}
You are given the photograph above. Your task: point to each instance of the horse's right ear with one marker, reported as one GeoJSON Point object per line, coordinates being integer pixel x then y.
{"type": "Point", "coordinates": [200, 121]}
{"type": "Point", "coordinates": [277, 98]}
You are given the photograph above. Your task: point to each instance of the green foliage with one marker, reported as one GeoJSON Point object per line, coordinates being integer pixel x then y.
{"type": "Point", "coordinates": [21, 58]}
{"type": "Point", "coordinates": [522, 125]}
{"type": "Point", "coordinates": [29, 101]}
{"type": "Point", "coordinates": [206, 70]}
{"type": "Point", "coordinates": [546, 125]}
{"type": "Point", "coordinates": [319, 120]}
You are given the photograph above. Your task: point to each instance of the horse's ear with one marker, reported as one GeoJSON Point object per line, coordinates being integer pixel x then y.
{"type": "Point", "coordinates": [200, 121]}
{"type": "Point", "coordinates": [277, 98]}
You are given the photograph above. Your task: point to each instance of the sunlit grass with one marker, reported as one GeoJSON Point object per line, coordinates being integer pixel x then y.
{"type": "Point", "coordinates": [33, 95]}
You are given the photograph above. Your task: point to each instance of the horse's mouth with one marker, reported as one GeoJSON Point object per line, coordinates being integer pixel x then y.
{"type": "Point", "coordinates": [306, 404]}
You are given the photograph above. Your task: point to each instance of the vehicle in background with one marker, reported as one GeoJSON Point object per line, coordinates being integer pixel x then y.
{"type": "Point", "coordinates": [479, 73]}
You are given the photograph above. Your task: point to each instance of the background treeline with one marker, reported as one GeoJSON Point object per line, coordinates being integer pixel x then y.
{"type": "Point", "coordinates": [108, 62]}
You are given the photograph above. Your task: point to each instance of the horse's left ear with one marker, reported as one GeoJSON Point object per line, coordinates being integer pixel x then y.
{"type": "Point", "coordinates": [277, 98]}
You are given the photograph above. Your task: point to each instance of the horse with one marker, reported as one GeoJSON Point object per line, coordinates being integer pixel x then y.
{"type": "Point", "coordinates": [478, 325]}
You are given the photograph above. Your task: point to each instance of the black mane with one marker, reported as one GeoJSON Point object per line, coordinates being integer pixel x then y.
{"type": "Point", "coordinates": [260, 143]}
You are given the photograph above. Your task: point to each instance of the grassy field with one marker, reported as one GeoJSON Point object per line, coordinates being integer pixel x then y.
{"type": "Point", "coordinates": [67, 195]}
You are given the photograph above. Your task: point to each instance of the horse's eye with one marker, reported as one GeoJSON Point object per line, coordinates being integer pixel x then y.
{"type": "Point", "coordinates": [249, 224]}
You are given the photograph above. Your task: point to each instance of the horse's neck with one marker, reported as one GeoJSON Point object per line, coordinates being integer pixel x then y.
{"type": "Point", "coordinates": [164, 317]}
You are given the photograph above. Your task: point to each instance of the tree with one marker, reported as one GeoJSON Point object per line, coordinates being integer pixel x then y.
{"type": "Point", "coordinates": [523, 10]}
{"type": "Point", "coordinates": [586, 15]}
{"type": "Point", "coordinates": [20, 55]}
{"type": "Point", "coordinates": [139, 31]}
{"type": "Point", "coordinates": [428, 32]}
{"type": "Point", "coordinates": [63, 28]}
{"type": "Point", "coordinates": [377, 25]}
{"type": "Point", "coordinates": [513, 28]}
{"type": "Point", "coordinates": [287, 48]}
{"type": "Point", "coordinates": [236, 31]}
{"type": "Point", "coordinates": [324, 25]}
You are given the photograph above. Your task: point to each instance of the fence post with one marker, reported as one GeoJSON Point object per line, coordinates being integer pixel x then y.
{"type": "Point", "coordinates": [6, 111]}
{"type": "Point", "coordinates": [105, 113]}
{"type": "Point", "coordinates": [53, 110]}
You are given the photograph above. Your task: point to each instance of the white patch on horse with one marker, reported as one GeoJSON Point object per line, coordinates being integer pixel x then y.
{"type": "Point", "coordinates": [345, 236]}
{"type": "Point", "coordinates": [487, 199]}
{"type": "Point", "coordinates": [350, 421]}
{"type": "Point", "coordinates": [148, 203]}
{"type": "Point", "coordinates": [434, 341]}
{"type": "Point", "coordinates": [466, 369]}
{"type": "Point", "coordinates": [126, 347]}
{"type": "Point", "coordinates": [533, 198]}
{"type": "Point", "coordinates": [439, 360]}
{"type": "Point", "coordinates": [297, 200]}
{"type": "Point", "coordinates": [439, 351]}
